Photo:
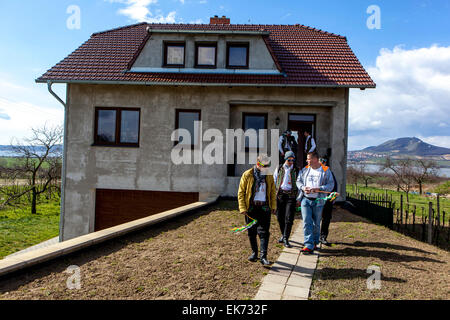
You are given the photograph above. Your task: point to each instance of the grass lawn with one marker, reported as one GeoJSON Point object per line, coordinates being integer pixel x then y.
{"type": "Point", "coordinates": [20, 229]}
{"type": "Point", "coordinates": [418, 200]}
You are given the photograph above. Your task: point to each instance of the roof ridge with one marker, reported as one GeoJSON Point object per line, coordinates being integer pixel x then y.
{"type": "Point", "coordinates": [241, 25]}
{"type": "Point", "coordinates": [119, 28]}
{"type": "Point", "coordinates": [321, 31]}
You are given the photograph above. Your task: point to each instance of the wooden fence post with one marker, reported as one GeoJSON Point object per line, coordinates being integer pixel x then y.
{"type": "Point", "coordinates": [414, 219]}
{"type": "Point", "coordinates": [430, 222]}
{"type": "Point", "coordinates": [437, 211]}
{"type": "Point", "coordinates": [401, 209]}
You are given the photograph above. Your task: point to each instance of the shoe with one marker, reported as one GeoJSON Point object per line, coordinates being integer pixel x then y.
{"type": "Point", "coordinates": [253, 257]}
{"type": "Point", "coordinates": [323, 240]}
{"type": "Point", "coordinates": [305, 250]}
{"type": "Point", "coordinates": [264, 260]}
{"type": "Point", "coordinates": [281, 240]}
{"type": "Point", "coordinates": [316, 247]}
{"type": "Point", "coordinates": [286, 243]}
{"type": "Point", "coordinates": [286, 235]}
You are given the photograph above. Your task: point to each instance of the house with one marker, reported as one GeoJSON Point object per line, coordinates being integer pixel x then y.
{"type": "Point", "coordinates": [129, 88]}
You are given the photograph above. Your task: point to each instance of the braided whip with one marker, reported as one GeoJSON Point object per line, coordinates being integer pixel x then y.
{"type": "Point", "coordinates": [246, 227]}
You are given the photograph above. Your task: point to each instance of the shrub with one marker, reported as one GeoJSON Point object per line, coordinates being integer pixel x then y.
{"type": "Point", "coordinates": [443, 188]}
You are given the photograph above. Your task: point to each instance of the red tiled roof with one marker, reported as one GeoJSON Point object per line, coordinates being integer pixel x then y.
{"type": "Point", "coordinates": [307, 56]}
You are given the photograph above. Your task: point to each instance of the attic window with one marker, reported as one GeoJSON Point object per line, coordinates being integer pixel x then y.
{"type": "Point", "coordinates": [174, 54]}
{"type": "Point", "coordinates": [237, 55]}
{"type": "Point", "coordinates": [206, 55]}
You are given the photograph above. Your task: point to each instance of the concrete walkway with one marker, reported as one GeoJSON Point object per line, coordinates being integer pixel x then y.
{"type": "Point", "coordinates": [290, 277]}
{"type": "Point", "coordinates": [35, 247]}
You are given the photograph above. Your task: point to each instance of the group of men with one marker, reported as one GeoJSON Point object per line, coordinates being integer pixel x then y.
{"type": "Point", "coordinates": [261, 194]}
{"type": "Point", "coordinates": [288, 143]}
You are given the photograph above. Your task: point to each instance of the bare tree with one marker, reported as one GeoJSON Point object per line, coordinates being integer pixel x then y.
{"type": "Point", "coordinates": [39, 162]}
{"type": "Point", "coordinates": [364, 174]}
{"type": "Point", "coordinates": [404, 173]}
{"type": "Point", "coordinates": [425, 170]}
{"type": "Point", "coordinates": [353, 175]}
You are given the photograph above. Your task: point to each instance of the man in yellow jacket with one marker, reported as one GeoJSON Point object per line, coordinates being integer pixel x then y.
{"type": "Point", "coordinates": [257, 199]}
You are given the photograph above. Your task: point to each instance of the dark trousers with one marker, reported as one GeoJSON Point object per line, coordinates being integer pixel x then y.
{"type": "Point", "coordinates": [261, 228]}
{"type": "Point", "coordinates": [281, 160]}
{"type": "Point", "coordinates": [326, 219]}
{"type": "Point", "coordinates": [285, 213]}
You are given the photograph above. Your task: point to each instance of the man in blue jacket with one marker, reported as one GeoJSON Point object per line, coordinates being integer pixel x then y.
{"type": "Point", "coordinates": [327, 209]}
{"type": "Point", "coordinates": [313, 179]}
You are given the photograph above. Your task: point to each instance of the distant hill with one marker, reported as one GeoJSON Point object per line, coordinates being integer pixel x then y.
{"type": "Point", "coordinates": [408, 146]}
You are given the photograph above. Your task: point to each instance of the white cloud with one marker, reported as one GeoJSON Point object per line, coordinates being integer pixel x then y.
{"type": "Point", "coordinates": [139, 11]}
{"type": "Point", "coordinates": [24, 107]}
{"type": "Point", "coordinates": [411, 99]}
{"type": "Point", "coordinates": [22, 116]}
{"type": "Point", "coordinates": [439, 141]}
{"type": "Point", "coordinates": [198, 21]}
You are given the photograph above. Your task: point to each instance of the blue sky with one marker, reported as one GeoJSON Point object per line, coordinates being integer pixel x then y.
{"type": "Point", "coordinates": [413, 45]}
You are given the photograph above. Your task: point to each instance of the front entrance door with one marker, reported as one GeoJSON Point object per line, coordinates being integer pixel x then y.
{"type": "Point", "coordinates": [298, 123]}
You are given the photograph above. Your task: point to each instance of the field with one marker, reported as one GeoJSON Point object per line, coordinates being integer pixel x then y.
{"type": "Point", "coordinates": [418, 200]}
{"type": "Point", "coordinates": [9, 162]}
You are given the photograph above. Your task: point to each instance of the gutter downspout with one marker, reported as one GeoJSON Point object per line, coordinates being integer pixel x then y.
{"type": "Point", "coordinates": [63, 169]}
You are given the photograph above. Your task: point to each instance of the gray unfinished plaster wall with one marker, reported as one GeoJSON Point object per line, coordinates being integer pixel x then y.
{"type": "Point", "coordinates": [149, 167]}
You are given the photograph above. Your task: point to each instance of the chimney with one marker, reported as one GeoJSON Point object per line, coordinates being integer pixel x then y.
{"type": "Point", "coordinates": [217, 20]}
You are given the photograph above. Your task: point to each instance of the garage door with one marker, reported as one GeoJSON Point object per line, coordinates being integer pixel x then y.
{"type": "Point", "coordinates": [114, 207]}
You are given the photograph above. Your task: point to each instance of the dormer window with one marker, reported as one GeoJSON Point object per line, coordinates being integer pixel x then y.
{"type": "Point", "coordinates": [237, 55]}
{"type": "Point", "coordinates": [174, 54]}
{"type": "Point", "coordinates": [205, 55]}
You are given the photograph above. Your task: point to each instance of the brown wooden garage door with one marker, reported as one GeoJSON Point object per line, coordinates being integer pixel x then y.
{"type": "Point", "coordinates": [114, 207]}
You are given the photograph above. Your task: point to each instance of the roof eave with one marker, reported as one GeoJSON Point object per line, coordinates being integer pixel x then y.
{"type": "Point", "coordinates": [210, 84]}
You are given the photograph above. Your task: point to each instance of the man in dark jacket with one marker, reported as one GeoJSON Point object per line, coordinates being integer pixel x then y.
{"type": "Point", "coordinates": [285, 184]}
{"type": "Point", "coordinates": [327, 209]}
{"type": "Point", "coordinates": [286, 143]}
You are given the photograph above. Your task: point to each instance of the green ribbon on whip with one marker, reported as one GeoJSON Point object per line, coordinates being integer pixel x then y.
{"type": "Point", "coordinates": [246, 227]}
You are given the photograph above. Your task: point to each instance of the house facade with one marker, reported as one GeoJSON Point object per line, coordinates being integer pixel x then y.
{"type": "Point", "coordinates": [129, 89]}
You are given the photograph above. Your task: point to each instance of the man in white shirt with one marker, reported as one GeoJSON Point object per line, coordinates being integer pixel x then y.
{"type": "Point", "coordinates": [314, 178]}
{"type": "Point", "coordinates": [285, 184]}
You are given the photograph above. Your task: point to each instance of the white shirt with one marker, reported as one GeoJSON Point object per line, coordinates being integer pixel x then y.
{"type": "Point", "coordinates": [313, 181]}
{"type": "Point", "coordinates": [286, 184]}
{"type": "Point", "coordinates": [313, 144]}
{"type": "Point", "coordinates": [260, 194]}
